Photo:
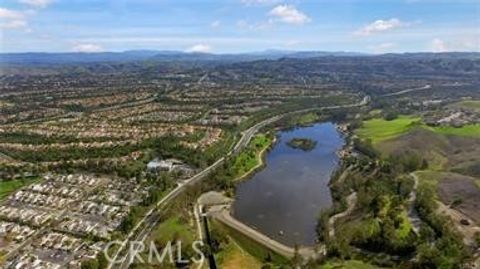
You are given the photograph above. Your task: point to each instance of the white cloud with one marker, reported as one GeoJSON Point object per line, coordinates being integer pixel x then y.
{"type": "Point", "coordinates": [14, 24]}
{"type": "Point", "coordinates": [292, 43]}
{"type": "Point", "coordinates": [11, 14]}
{"type": "Point", "coordinates": [460, 43]}
{"type": "Point", "coordinates": [380, 26]}
{"type": "Point", "coordinates": [87, 47]}
{"type": "Point", "coordinates": [215, 24]}
{"type": "Point", "coordinates": [382, 47]}
{"type": "Point", "coordinates": [202, 48]}
{"type": "Point", "coordinates": [254, 26]}
{"type": "Point", "coordinates": [289, 14]}
{"type": "Point", "coordinates": [12, 19]}
{"type": "Point", "coordinates": [259, 2]}
{"type": "Point", "coordinates": [438, 45]}
{"type": "Point", "coordinates": [37, 3]}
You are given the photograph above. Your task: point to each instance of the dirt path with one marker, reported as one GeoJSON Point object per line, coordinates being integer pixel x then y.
{"type": "Point", "coordinates": [351, 202]}
{"type": "Point", "coordinates": [413, 216]}
{"type": "Point", "coordinates": [468, 231]}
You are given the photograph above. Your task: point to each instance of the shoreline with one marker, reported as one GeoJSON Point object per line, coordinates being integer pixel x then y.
{"type": "Point", "coordinates": [261, 156]}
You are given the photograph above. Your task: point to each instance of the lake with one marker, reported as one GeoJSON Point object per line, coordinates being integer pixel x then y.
{"type": "Point", "coordinates": [289, 193]}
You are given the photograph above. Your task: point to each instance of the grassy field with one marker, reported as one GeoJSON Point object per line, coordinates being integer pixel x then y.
{"type": "Point", "coordinates": [7, 187]}
{"type": "Point", "coordinates": [308, 118]}
{"type": "Point", "coordinates": [467, 130]}
{"type": "Point", "coordinates": [173, 229]}
{"type": "Point", "coordinates": [472, 104]}
{"type": "Point", "coordinates": [257, 251]}
{"type": "Point", "coordinates": [352, 264]}
{"type": "Point", "coordinates": [249, 159]}
{"type": "Point", "coordinates": [379, 130]}
{"type": "Point", "coordinates": [234, 257]}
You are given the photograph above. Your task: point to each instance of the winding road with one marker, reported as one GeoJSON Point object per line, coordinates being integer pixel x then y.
{"type": "Point", "coordinates": [351, 202]}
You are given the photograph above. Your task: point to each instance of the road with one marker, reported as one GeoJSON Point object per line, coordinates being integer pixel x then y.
{"type": "Point", "coordinates": [150, 219]}
{"type": "Point", "coordinates": [222, 214]}
{"type": "Point", "coordinates": [426, 87]}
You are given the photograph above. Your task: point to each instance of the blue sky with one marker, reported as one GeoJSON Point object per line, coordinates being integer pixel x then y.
{"type": "Point", "coordinates": [232, 26]}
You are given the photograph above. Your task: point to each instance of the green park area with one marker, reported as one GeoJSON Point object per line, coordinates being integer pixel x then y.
{"type": "Point", "coordinates": [7, 187]}
{"type": "Point", "coordinates": [379, 130]}
{"type": "Point", "coordinates": [235, 257]}
{"type": "Point", "coordinates": [173, 229]}
{"type": "Point", "coordinates": [251, 158]}
{"type": "Point", "coordinates": [472, 130]}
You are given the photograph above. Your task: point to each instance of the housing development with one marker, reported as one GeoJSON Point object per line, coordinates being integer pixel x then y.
{"type": "Point", "coordinates": [355, 144]}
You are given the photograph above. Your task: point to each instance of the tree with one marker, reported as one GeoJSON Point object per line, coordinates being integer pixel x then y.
{"type": "Point", "coordinates": [90, 264]}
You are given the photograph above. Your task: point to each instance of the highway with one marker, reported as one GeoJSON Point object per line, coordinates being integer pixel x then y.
{"type": "Point", "coordinates": [152, 217]}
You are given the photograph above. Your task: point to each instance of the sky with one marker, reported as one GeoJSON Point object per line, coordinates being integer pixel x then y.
{"type": "Point", "coordinates": [235, 26]}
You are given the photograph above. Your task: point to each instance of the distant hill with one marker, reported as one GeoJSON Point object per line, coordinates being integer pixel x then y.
{"type": "Point", "coordinates": [34, 58]}
{"type": "Point", "coordinates": [142, 55]}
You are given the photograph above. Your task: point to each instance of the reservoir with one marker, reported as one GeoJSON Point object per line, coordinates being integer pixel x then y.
{"type": "Point", "coordinates": [284, 199]}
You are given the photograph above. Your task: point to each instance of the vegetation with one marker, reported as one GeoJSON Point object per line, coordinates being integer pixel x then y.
{"type": "Point", "coordinates": [249, 158]}
{"type": "Point", "coordinates": [378, 130]}
{"type": "Point", "coordinates": [380, 223]}
{"type": "Point", "coordinates": [448, 250]}
{"type": "Point", "coordinates": [467, 130]}
{"type": "Point", "coordinates": [259, 252]}
{"type": "Point", "coordinates": [234, 257]}
{"type": "Point", "coordinates": [94, 99]}
{"type": "Point", "coordinates": [100, 262]}
{"type": "Point", "coordinates": [471, 104]}
{"type": "Point", "coordinates": [7, 187]}
{"type": "Point", "coordinates": [223, 178]}
{"type": "Point", "coordinates": [174, 228]}
{"type": "Point", "coordinates": [350, 264]}
{"type": "Point", "coordinates": [304, 144]}
{"type": "Point", "coordinates": [306, 119]}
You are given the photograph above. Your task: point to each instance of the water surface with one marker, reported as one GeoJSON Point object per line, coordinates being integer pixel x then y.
{"type": "Point", "coordinates": [288, 194]}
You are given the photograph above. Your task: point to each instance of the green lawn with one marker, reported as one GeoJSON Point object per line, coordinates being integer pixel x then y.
{"type": "Point", "coordinates": [248, 159]}
{"type": "Point", "coordinates": [7, 187]}
{"type": "Point", "coordinates": [173, 229]}
{"type": "Point", "coordinates": [380, 130]}
{"type": "Point", "coordinates": [467, 130]}
{"type": "Point", "coordinates": [256, 250]}
{"type": "Point", "coordinates": [234, 257]}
